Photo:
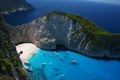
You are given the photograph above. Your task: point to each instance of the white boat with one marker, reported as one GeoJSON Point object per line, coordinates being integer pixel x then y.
{"type": "Point", "coordinates": [27, 63]}
{"type": "Point", "coordinates": [43, 63]}
{"type": "Point", "coordinates": [62, 75]}
{"type": "Point", "coordinates": [55, 52]}
{"type": "Point", "coordinates": [28, 69]}
{"type": "Point", "coordinates": [73, 61]}
{"type": "Point", "coordinates": [6, 12]}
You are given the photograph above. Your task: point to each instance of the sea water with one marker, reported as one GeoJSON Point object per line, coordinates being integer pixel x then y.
{"type": "Point", "coordinates": [104, 15]}
{"type": "Point", "coordinates": [56, 65]}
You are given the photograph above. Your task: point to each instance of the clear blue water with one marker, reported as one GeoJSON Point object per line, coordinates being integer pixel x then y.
{"type": "Point", "coordinates": [58, 67]}
{"type": "Point", "coordinates": [105, 15]}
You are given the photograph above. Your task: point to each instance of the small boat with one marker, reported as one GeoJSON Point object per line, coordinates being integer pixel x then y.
{"type": "Point", "coordinates": [28, 69]}
{"type": "Point", "coordinates": [55, 52]}
{"type": "Point", "coordinates": [62, 75]}
{"type": "Point", "coordinates": [43, 63]}
{"type": "Point", "coordinates": [73, 61]}
{"type": "Point", "coordinates": [27, 63]}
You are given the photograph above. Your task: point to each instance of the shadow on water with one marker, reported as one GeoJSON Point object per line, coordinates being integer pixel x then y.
{"type": "Point", "coordinates": [105, 58]}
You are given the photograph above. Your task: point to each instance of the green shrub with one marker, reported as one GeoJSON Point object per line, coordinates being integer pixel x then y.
{"type": "Point", "coordinates": [20, 70]}
{"type": "Point", "coordinates": [3, 69]}
{"type": "Point", "coordinates": [1, 52]}
{"type": "Point", "coordinates": [7, 62]}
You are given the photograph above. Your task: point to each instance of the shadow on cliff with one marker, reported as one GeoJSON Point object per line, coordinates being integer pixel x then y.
{"type": "Point", "coordinates": [63, 48]}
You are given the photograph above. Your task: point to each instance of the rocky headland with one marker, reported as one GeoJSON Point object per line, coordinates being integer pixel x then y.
{"type": "Point", "coordinates": [9, 6]}
{"type": "Point", "coordinates": [71, 31]}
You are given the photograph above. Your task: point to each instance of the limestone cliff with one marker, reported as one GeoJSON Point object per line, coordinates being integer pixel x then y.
{"type": "Point", "coordinates": [72, 31]}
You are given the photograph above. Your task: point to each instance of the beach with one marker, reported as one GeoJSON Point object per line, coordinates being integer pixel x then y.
{"type": "Point", "coordinates": [27, 50]}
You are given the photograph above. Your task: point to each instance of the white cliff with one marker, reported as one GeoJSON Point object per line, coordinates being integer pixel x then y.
{"type": "Point", "coordinates": [55, 29]}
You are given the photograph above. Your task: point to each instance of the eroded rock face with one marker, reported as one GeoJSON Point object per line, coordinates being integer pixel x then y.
{"type": "Point", "coordinates": [51, 30]}
{"type": "Point", "coordinates": [48, 31]}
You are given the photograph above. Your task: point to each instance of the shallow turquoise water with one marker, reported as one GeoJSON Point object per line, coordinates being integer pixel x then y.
{"type": "Point", "coordinates": [57, 66]}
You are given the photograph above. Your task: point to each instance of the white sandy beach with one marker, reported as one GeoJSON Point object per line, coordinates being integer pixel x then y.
{"type": "Point", "coordinates": [28, 50]}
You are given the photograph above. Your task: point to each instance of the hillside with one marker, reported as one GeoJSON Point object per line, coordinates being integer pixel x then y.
{"type": "Point", "coordinates": [6, 5]}
{"type": "Point", "coordinates": [72, 31]}
{"type": "Point", "coordinates": [10, 65]}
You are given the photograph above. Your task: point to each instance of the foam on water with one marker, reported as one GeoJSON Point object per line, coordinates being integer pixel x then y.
{"type": "Point", "coordinates": [52, 65]}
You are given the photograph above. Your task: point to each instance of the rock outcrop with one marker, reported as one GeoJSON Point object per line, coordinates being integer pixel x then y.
{"type": "Point", "coordinates": [72, 31]}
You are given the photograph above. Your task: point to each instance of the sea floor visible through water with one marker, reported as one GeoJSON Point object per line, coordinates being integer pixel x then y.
{"type": "Point", "coordinates": [57, 65]}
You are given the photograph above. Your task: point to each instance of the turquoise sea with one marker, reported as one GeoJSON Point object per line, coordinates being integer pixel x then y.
{"type": "Point", "coordinates": [56, 65]}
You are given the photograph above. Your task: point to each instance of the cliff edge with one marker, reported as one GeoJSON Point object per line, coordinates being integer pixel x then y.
{"type": "Point", "coordinates": [72, 31]}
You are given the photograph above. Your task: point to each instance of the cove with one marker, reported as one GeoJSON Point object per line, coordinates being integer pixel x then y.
{"type": "Point", "coordinates": [56, 65]}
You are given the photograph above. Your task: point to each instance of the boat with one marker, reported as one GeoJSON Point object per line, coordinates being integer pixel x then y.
{"type": "Point", "coordinates": [43, 63]}
{"type": "Point", "coordinates": [28, 69]}
{"type": "Point", "coordinates": [55, 52]}
{"type": "Point", "coordinates": [27, 63]}
{"type": "Point", "coordinates": [73, 61]}
{"type": "Point", "coordinates": [62, 75]}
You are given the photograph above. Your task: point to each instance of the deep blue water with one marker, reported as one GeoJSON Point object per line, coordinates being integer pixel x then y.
{"type": "Point", "coordinates": [105, 15]}
{"type": "Point", "coordinates": [58, 67]}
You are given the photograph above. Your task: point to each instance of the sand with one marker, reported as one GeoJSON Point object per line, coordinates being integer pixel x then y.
{"type": "Point", "coordinates": [28, 50]}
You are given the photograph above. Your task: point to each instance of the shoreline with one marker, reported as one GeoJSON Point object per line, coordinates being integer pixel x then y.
{"type": "Point", "coordinates": [16, 10]}
{"type": "Point", "coordinates": [28, 49]}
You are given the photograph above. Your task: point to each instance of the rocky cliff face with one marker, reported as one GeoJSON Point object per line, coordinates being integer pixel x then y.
{"type": "Point", "coordinates": [57, 28]}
